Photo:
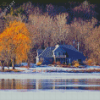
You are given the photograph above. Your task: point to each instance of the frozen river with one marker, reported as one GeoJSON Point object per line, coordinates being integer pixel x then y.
{"type": "Point", "coordinates": [49, 86]}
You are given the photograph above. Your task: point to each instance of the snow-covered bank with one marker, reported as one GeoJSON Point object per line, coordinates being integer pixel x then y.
{"type": "Point", "coordinates": [49, 95]}
{"type": "Point", "coordinates": [13, 75]}
{"type": "Point", "coordinates": [49, 68]}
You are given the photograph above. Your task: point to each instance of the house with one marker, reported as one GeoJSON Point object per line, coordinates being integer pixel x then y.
{"type": "Point", "coordinates": [63, 53]}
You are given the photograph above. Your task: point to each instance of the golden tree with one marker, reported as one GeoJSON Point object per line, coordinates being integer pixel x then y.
{"type": "Point", "coordinates": [16, 41]}
{"type": "Point", "coordinates": [93, 42]}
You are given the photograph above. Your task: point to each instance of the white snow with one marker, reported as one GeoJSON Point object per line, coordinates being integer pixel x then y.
{"type": "Point", "coordinates": [49, 95]}
{"type": "Point", "coordinates": [13, 75]}
{"type": "Point", "coordinates": [54, 68]}
{"type": "Point", "coordinates": [46, 67]}
{"type": "Point", "coordinates": [40, 74]}
{"type": "Point", "coordinates": [93, 66]}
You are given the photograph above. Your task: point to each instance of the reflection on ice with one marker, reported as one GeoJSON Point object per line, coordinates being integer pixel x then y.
{"type": "Point", "coordinates": [83, 84]}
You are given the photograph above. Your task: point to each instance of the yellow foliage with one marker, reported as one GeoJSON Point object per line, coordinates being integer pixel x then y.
{"type": "Point", "coordinates": [88, 62]}
{"type": "Point", "coordinates": [58, 63]}
{"type": "Point", "coordinates": [39, 63]}
{"type": "Point", "coordinates": [75, 63]}
{"type": "Point", "coordinates": [16, 39]}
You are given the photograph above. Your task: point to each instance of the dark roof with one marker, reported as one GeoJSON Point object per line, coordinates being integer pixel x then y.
{"type": "Point", "coordinates": [72, 51]}
{"type": "Point", "coordinates": [39, 51]}
{"type": "Point", "coordinates": [69, 47]}
{"type": "Point", "coordinates": [47, 52]}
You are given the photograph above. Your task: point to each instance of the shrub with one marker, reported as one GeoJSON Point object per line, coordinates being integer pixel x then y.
{"type": "Point", "coordinates": [58, 63]}
{"type": "Point", "coordinates": [54, 62]}
{"type": "Point", "coordinates": [75, 63]}
{"type": "Point", "coordinates": [88, 62]}
{"type": "Point", "coordinates": [69, 64]}
{"type": "Point", "coordinates": [39, 63]}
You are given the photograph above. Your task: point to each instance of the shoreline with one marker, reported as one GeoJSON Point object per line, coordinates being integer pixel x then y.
{"type": "Point", "coordinates": [91, 69]}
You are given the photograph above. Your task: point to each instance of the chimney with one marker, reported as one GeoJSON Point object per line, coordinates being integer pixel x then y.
{"type": "Point", "coordinates": [57, 45]}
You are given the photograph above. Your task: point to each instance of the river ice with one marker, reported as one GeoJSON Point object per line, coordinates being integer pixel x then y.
{"type": "Point", "coordinates": [49, 95]}
{"type": "Point", "coordinates": [26, 94]}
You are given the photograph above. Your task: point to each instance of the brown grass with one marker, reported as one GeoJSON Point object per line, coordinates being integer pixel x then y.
{"type": "Point", "coordinates": [23, 66]}
{"type": "Point", "coordinates": [12, 70]}
{"type": "Point", "coordinates": [58, 63]}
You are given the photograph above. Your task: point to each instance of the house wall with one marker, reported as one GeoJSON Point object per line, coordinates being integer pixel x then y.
{"type": "Point", "coordinates": [77, 57]}
{"type": "Point", "coordinates": [72, 55]}
{"type": "Point", "coordinates": [59, 51]}
{"type": "Point", "coordinates": [47, 60]}
{"type": "Point", "coordinates": [50, 60]}
{"type": "Point", "coordinates": [62, 52]}
{"type": "Point", "coordinates": [37, 59]}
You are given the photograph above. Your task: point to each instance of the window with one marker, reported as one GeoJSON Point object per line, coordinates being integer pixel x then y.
{"type": "Point", "coordinates": [63, 53]}
{"type": "Point", "coordinates": [58, 53]}
{"type": "Point", "coordinates": [79, 60]}
{"type": "Point", "coordinates": [69, 60]}
{"type": "Point", "coordinates": [66, 54]}
{"type": "Point", "coordinates": [56, 59]}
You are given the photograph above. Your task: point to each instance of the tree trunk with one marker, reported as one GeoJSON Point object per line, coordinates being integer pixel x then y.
{"type": "Point", "coordinates": [8, 65]}
{"type": "Point", "coordinates": [2, 63]}
{"type": "Point", "coordinates": [13, 67]}
{"type": "Point", "coordinates": [2, 68]}
{"type": "Point", "coordinates": [28, 64]}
